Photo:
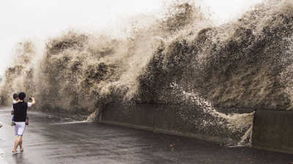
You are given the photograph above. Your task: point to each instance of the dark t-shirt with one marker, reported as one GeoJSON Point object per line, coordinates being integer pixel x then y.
{"type": "Point", "coordinates": [20, 111]}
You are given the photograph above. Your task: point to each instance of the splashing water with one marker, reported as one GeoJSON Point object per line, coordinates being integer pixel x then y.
{"type": "Point", "coordinates": [236, 122]}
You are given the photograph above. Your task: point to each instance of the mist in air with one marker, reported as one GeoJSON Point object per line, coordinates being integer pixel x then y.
{"type": "Point", "coordinates": [39, 20]}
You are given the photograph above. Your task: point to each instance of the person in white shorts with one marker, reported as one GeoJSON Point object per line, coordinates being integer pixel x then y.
{"type": "Point", "coordinates": [20, 115]}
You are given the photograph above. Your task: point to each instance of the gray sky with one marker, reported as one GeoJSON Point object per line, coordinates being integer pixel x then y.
{"type": "Point", "coordinates": [42, 19]}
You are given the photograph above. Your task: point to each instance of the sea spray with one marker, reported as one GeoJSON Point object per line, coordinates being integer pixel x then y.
{"type": "Point", "coordinates": [234, 121]}
{"type": "Point", "coordinates": [19, 77]}
{"type": "Point", "coordinates": [81, 72]}
{"type": "Point", "coordinates": [236, 65]}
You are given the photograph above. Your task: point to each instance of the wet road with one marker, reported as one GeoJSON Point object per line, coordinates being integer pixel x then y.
{"type": "Point", "coordinates": [49, 140]}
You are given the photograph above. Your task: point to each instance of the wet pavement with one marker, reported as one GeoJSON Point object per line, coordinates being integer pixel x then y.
{"type": "Point", "coordinates": [50, 140]}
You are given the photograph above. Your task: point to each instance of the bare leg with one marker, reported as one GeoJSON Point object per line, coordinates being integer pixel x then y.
{"type": "Point", "coordinates": [20, 144]}
{"type": "Point", "coordinates": [16, 143]}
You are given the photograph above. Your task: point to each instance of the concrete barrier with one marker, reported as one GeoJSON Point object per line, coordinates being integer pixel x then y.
{"type": "Point", "coordinates": [161, 118]}
{"type": "Point", "coordinates": [273, 130]}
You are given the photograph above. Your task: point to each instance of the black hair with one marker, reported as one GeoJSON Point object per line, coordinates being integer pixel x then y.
{"type": "Point", "coordinates": [15, 96]}
{"type": "Point", "coordinates": [21, 95]}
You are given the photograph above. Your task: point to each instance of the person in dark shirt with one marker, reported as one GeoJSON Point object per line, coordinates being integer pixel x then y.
{"type": "Point", "coordinates": [14, 101]}
{"type": "Point", "coordinates": [20, 115]}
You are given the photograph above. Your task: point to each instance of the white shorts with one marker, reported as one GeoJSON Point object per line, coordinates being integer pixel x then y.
{"type": "Point", "coordinates": [19, 128]}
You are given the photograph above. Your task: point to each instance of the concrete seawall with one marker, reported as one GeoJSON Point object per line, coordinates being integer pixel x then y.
{"type": "Point", "coordinates": [167, 119]}
{"type": "Point", "coordinates": [273, 130]}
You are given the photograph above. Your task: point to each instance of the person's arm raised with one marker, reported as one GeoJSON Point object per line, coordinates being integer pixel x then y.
{"type": "Point", "coordinates": [33, 101]}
